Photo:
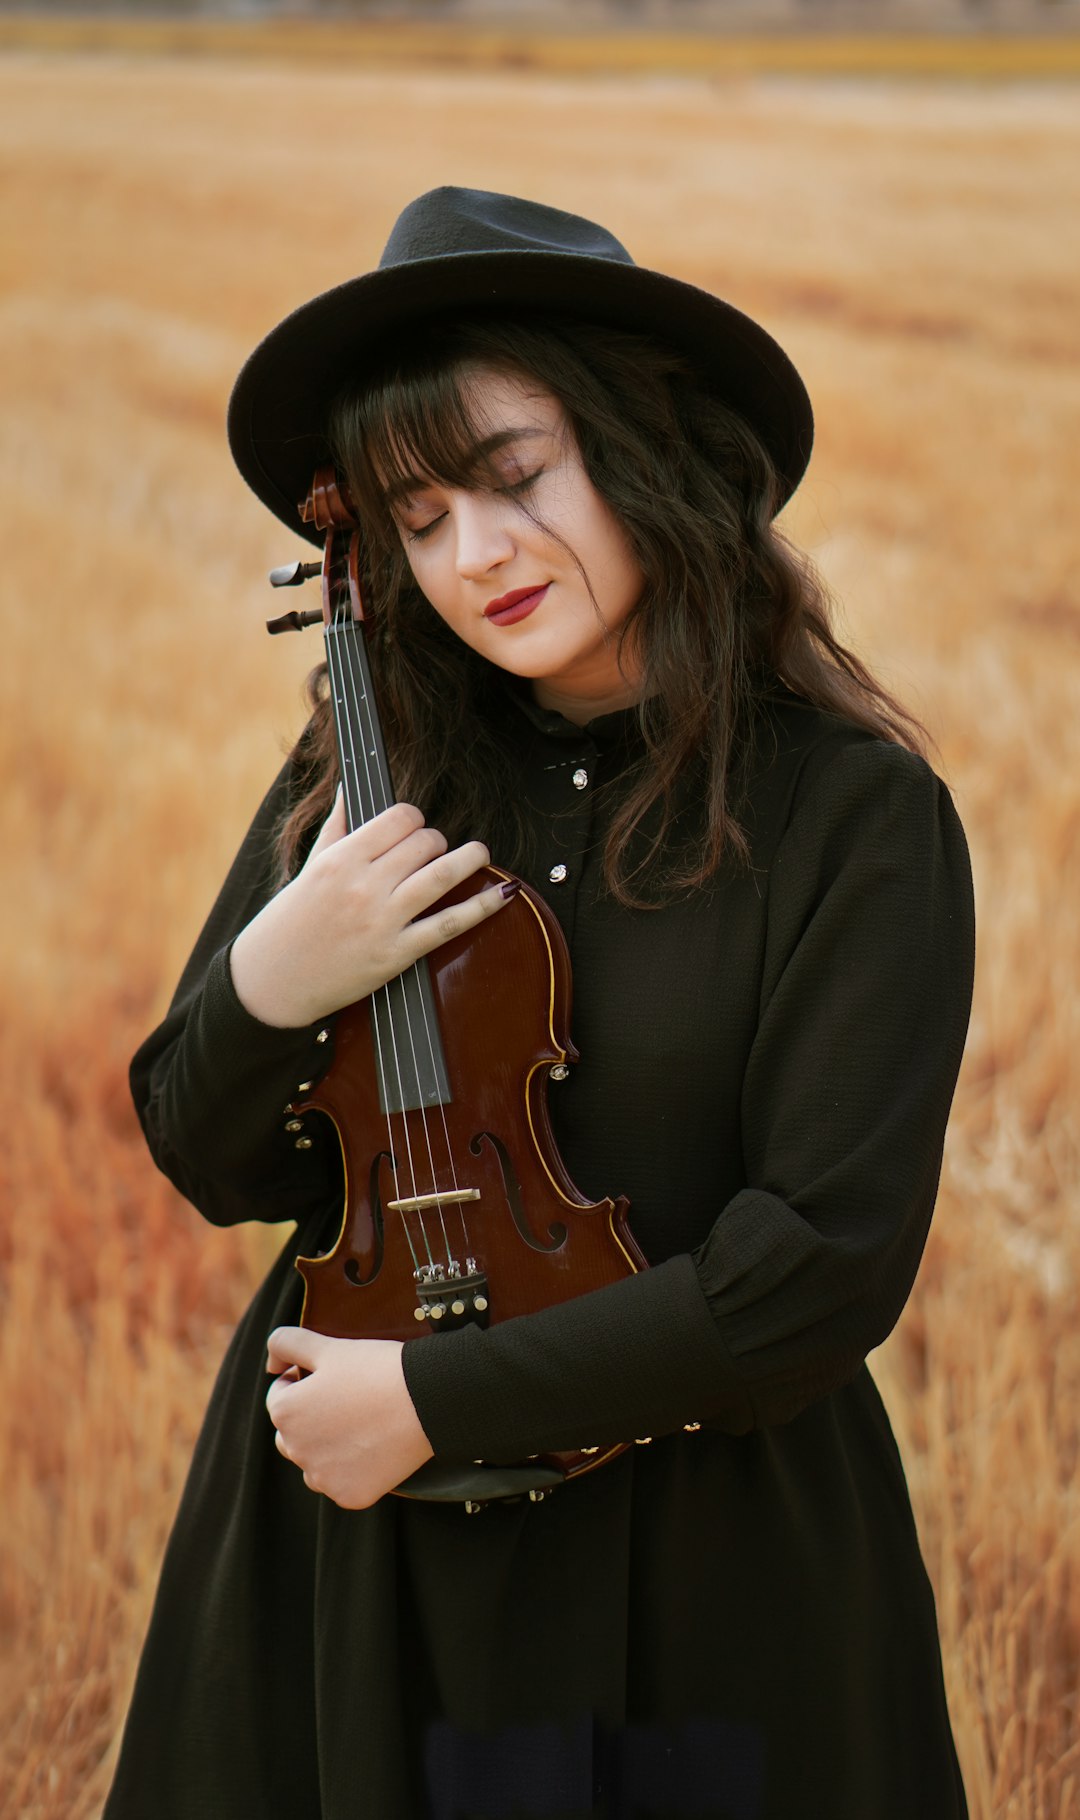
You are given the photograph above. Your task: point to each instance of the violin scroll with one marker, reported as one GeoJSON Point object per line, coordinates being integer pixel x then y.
{"type": "Point", "coordinates": [329, 505]}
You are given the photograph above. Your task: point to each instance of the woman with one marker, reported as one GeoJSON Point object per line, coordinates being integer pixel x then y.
{"type": "Point", "coordinates": [595, 654]}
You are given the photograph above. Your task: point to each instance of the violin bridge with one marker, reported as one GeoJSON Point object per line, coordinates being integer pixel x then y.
{"type": "Point", "coordinates": [420, 1203]}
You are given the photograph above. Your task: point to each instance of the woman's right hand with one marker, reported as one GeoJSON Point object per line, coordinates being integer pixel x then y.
{"type": "Point", "coordinates": [345, 924]}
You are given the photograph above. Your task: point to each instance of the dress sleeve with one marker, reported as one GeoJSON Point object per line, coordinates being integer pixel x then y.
{"type": "Point", "coordinates": [865, 997]}
{"type": "Point", "coordinates": [211, 1084]}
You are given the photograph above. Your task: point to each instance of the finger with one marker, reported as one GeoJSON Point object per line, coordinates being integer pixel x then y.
{"type": "Point", "coordinates": [277, 1400]}
{"type": "Point", "coordinates": [425, 887]}
{"type": "Point", "coordinates": [273, 1402]}
{"type": "Point", "coordinates": [294, 1346]}
{"type": "Point", "coordinates": [282, 1449]}
{"type": "Point", "coordinates": [385, 830]}
{"type": "Point", "coordinates": [409, 856]}
{"type": "Point", "coordinates": [334, 828]}
{"type": "Point", "coordinates": [430, 932]}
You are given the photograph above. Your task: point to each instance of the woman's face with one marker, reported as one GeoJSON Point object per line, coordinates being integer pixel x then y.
{"type": "Point", "coordinates": [505, 585]}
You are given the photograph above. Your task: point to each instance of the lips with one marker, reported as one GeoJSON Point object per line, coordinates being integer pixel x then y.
{"type": "Point", "coordinates": [518, 604]}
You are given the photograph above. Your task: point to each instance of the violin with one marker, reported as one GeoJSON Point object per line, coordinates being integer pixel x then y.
{"type": "Point", "coordinates": [458, 1208]}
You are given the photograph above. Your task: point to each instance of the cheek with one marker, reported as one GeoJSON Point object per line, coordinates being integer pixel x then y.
{"type": "Point", "coordinates": [617, 568]}
{"type": "Point", "coordinates": [443, 600]}
{"type": "Point", "coordinates": [602, 543]}
{"type": "Point", "coordinates": [426, 573]}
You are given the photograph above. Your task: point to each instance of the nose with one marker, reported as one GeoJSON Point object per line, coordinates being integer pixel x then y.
{"type": "Point", "coordinates": [483, 539]}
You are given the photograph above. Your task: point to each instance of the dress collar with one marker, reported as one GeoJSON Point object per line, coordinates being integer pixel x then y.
{"type": "Point", "coordinates": [605, 731]}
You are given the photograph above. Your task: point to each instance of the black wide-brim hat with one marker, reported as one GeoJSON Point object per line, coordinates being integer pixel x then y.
{"type": "Point", "coordinates": [455, 250]}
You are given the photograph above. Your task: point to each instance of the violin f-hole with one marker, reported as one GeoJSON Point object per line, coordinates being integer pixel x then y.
{"type": "Point", "coordinates": [378, 1224]}
{"type": "Point", "coordinates": [514, 1199]}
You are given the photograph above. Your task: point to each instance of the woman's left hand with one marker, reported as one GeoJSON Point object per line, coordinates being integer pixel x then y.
{"type": "Point", "coordinates": [349, 1425]}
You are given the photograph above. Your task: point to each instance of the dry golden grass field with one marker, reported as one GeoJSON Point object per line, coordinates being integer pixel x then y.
{"type": "Point", "coordinates": [524, 44]}
{"type": "Point", "coordinates": [915, 248]}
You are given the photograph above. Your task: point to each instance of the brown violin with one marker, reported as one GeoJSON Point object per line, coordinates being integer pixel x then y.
{"type": "Point", "coordinates": [458, 1207]}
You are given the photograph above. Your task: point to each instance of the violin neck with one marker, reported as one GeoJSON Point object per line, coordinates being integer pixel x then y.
{"type": "Point", "coordinates": [365, 768]}
{"type": "Point", "coordinates": [409, 1056]}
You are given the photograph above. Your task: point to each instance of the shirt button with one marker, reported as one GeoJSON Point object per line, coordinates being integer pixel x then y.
{"type": "Point", "coordinates": [580, 778]}
{"type": "Point", "coordinates": [557, 875]}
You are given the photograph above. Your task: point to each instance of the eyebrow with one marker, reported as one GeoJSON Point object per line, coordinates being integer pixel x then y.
{"type": "Point", "coordinates": [411, 483]}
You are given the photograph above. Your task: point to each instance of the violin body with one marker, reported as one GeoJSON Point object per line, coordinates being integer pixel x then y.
{"type": "Point", "coordinates": [502, 993]}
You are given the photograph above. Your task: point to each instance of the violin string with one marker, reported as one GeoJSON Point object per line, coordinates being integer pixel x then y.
{"type": "Point", "coordinates": [334, 670]}
{"type": "Point", "coordinates": [387, 798]}
{"type": "Point", "coordinates": [348, 675]}
{"type": "Point", "coordinates": [386, 794]}
{"type": "Point", "coordinates": [379, 798]}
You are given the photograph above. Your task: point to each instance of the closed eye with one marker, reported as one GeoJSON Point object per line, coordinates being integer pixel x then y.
{"type": "Point", "coordinates": [513, 488]}
{"type": "Point", "coordinates": [522, 485]}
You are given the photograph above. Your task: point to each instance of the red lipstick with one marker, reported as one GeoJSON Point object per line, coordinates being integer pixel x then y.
{"type": "Point", "coordinates": [518, 604]}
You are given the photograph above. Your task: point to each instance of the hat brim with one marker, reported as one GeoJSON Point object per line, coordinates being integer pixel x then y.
{"type": "Point", "coordinates": [277, 412]}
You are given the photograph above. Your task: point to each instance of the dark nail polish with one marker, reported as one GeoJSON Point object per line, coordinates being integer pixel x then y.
{"type": "Point", "coordinates": [511, 887]}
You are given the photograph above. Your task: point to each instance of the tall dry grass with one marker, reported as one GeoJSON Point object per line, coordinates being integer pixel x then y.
{"type": "Point", "coordinates": [915, 249]}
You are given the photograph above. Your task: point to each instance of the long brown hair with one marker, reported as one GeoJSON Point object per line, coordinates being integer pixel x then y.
{"type": "Point", "coordinates": [729, 608]}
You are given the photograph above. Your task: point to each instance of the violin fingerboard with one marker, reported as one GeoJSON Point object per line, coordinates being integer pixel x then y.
{"type": "Point", "coordinates": [409, 1054]}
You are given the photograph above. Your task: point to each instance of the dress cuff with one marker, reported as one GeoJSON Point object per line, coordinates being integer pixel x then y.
{"type": "Point", "coordinates": [234, 1078]}
{"type": "Point", "coordinates": [641, 1357]}
{"type": "Point", "coordinates": [243, 1040]}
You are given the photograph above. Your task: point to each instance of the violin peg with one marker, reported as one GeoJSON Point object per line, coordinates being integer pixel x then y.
{"type": "Point", "coordinates": [292, 622]}
{"type": "Point", "coordinates": [291, 574]}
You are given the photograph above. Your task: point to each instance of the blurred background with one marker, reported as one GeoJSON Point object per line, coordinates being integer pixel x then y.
{"type": "Point", "coordinates": [894, 191]}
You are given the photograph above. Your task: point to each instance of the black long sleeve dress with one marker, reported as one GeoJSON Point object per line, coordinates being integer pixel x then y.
{"type": "Point", "coordinates": [732, 1622]}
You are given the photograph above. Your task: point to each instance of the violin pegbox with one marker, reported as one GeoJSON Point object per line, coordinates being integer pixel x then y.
{"type": "Point", "coordinates": [329, 507]}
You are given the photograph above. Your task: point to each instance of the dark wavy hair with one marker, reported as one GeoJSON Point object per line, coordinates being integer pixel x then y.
{"type": "Point", "coordinates": [729, 608]}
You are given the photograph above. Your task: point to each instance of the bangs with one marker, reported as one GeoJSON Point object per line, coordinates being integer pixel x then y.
{"type": "Point", "coordinates": [414, 422]}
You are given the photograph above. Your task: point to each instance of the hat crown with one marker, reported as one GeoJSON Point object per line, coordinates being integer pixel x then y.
{"type": "Point", "coordinates": [459, 251]}
{"type": "Point", "coordinates": [449, 221]}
